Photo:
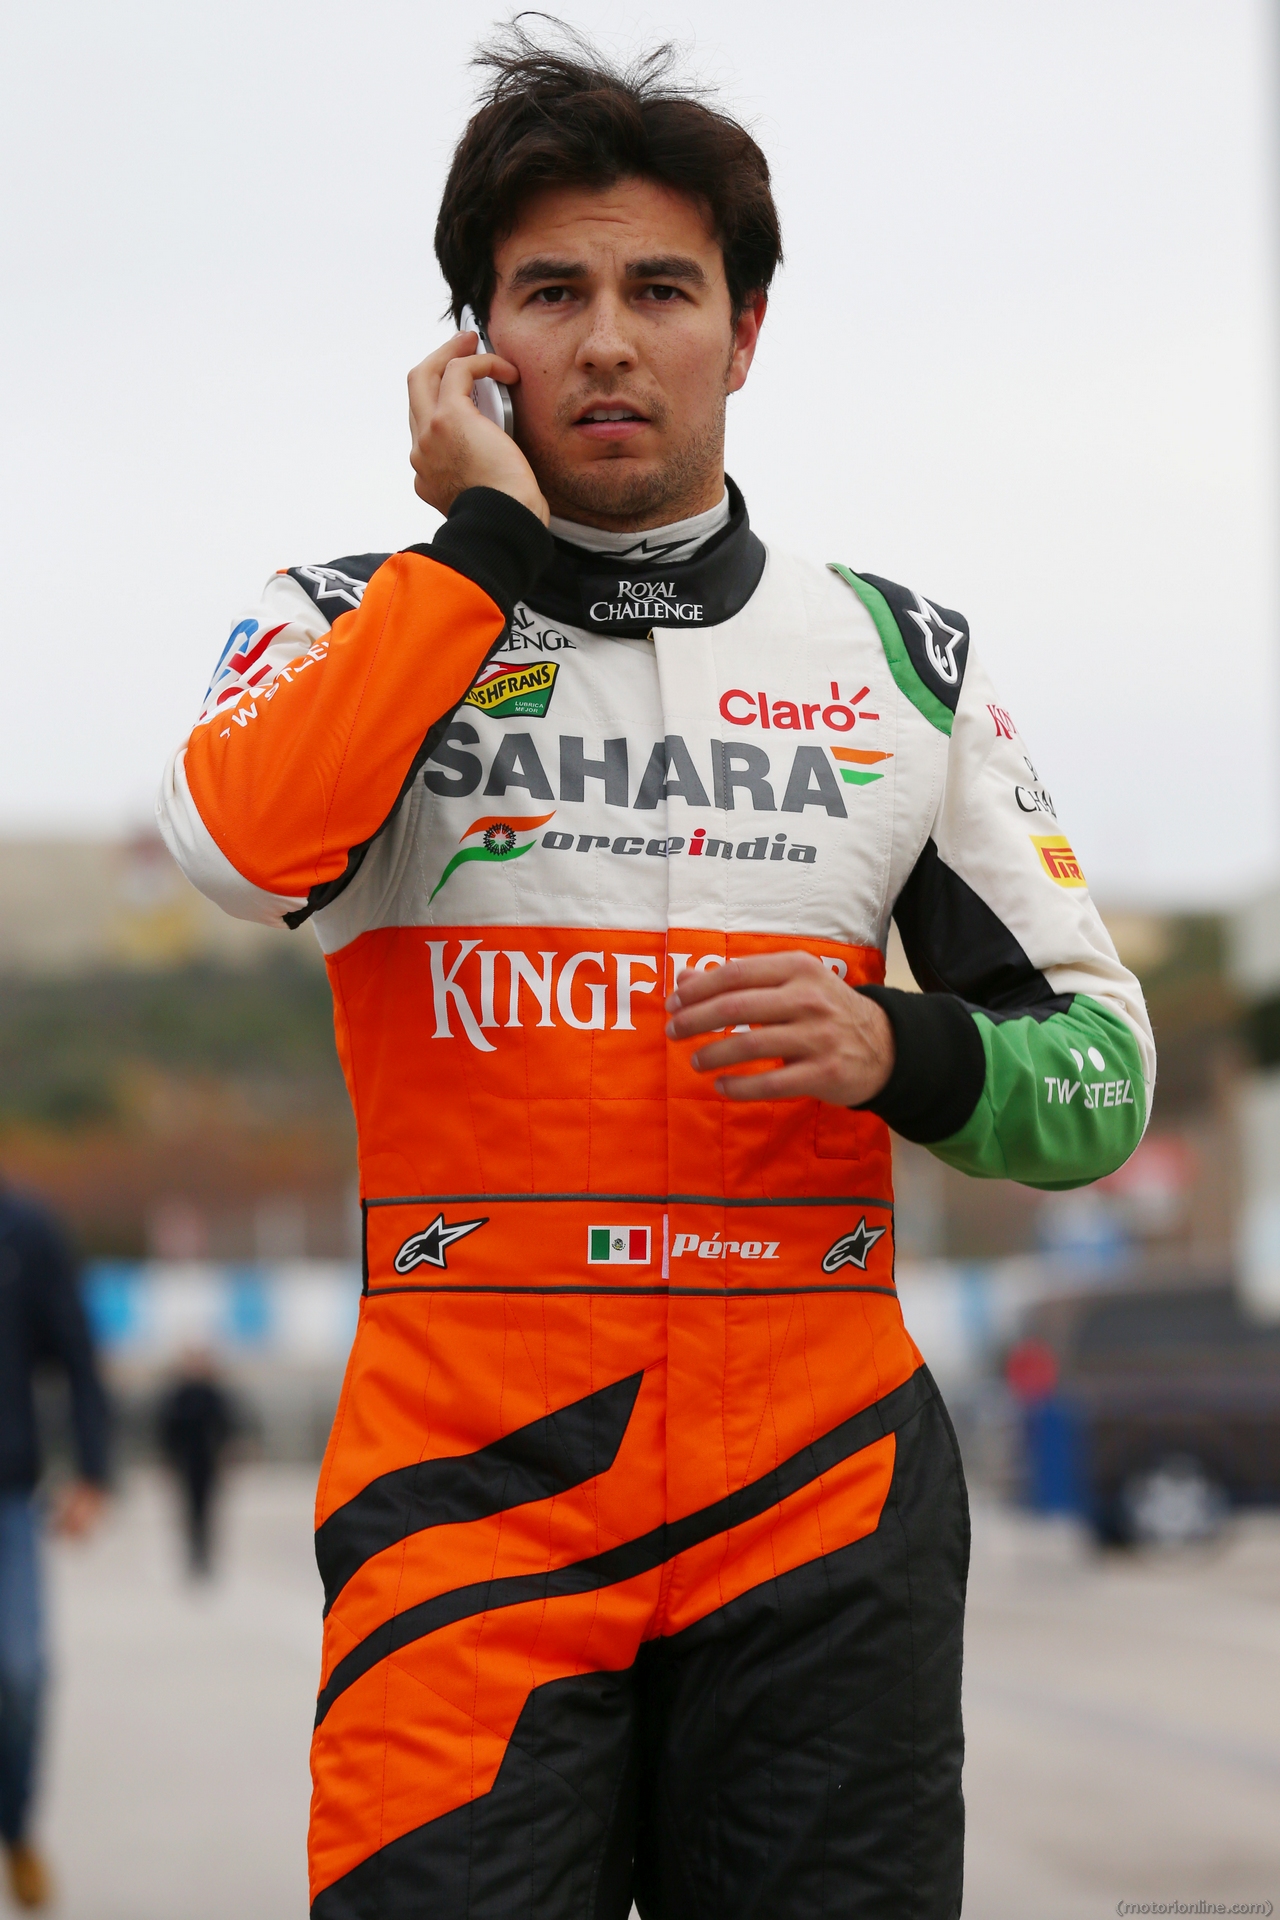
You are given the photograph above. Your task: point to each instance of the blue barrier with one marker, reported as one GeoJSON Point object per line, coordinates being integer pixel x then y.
{"type": "Point", "coordinates": [151, 1310]}
{"type": "Point", "coordinates": [1054, 1457]}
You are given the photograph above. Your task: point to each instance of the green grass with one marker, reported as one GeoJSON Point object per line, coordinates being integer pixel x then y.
{"type": "Point", "coordinates": [67, 1046]}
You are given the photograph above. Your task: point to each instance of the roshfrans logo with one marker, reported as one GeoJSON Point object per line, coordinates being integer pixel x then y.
{"type": "Point", "coordinates": [498, 840]}
{"type": "Point", "coordinates": [506, 691]}
{"type": "Point", "coordinates": [428, 1247]}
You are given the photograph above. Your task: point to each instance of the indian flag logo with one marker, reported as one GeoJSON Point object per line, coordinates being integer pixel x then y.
{"type": "Point", "coordinates": [498, 840]}
{"type": "Point", "coordinates": [618, 1246]}
{"type": "Point", "coordinates": [856, 764]}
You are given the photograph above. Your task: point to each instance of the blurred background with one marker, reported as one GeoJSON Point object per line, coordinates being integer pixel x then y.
{"type": "Point", "coordinates": [1023, 355]}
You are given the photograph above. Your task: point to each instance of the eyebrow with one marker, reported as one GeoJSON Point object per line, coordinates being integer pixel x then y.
{"type": "Point", "coordinates": [544, 268]}
{"type": "Point", "coordinates": [668, 266]}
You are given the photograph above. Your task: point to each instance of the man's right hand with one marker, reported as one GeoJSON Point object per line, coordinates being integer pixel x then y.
{"type": "Point", "coordinates": [78, 1509]}
{"type": "Point", "coordinates": [454, 446]}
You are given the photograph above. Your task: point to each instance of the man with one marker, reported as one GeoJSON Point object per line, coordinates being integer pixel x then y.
{"type": "Point", "coordinates": [642, 1527]}
{"type": "Point", "coordinates": [42, 1321]}
{"type": "Point", "coordinates": [194, 1422]}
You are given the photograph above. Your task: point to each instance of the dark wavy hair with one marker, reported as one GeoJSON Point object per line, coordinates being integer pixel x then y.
{"type": "Point", "coordinates": [564, 116]}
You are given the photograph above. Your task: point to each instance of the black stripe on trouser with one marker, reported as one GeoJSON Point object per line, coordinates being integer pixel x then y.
{"type": "Point", "coordinates": [637, 1556]}
{"type": "Point", "coordinates": [550, 1455]}
{"type": "Point", "coordinates": [793, 1754]}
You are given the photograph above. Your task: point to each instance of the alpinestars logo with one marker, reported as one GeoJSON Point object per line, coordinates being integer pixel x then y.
{"type": "Point", "coordinates": [427, 1249]}
{"type": "Point", "coordinates": [851, 1249]}
{"type": "Point", "coordinates": [942, 657]}
{"type": "Point", "coordinates": [644, 549]}
{"type": "Point", "coordinates": [497, 840]}
{"type": "Point", "coordinates": [332, 584]}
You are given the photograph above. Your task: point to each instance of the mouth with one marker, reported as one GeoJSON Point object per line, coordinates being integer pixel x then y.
{"type": "Point", "coordinates": [601, 421]}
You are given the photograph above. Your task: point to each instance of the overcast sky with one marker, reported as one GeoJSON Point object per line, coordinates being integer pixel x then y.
{"type": "Point", "coordinates": [1021, 357]}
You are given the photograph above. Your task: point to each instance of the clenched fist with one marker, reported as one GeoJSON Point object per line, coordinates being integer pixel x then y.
{"type": "Point", "coordinates": [834, 1044]}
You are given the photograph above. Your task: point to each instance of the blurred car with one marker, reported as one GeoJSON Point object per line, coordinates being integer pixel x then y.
{"type": "Point", "coordinates": [1151, 1414]}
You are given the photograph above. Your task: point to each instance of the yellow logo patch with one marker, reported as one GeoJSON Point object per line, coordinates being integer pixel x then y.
{"type": "Point", "coordinates": [524, 691]}
{"type": "Point", "coordinates": [1057, 859]}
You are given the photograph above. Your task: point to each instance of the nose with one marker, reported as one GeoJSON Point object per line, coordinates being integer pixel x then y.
{"type": "Point", "coordinates": [607, 347]}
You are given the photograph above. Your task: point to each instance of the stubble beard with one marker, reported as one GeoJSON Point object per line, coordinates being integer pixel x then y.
{"type": "Point", "coordinates": [624, 495]}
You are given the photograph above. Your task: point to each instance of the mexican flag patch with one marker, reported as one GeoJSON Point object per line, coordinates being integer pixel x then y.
{"type": "Point", "coordinates": [618, 1246]}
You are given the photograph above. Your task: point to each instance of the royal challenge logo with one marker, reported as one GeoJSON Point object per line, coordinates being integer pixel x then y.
{"type": "Point", "coordinates": [494, 838]}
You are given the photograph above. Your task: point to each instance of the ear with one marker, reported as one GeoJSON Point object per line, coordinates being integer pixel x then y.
{"type": "Point", "coordinates": [746, 334]}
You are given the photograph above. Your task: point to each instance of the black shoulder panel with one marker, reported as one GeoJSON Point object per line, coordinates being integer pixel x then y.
{"type": "Point", "coordinates": [936, 638]}
{"type": "Point", "coordinates": [954, 943]}
{"type": "Point", "coordinates": [338, 586]}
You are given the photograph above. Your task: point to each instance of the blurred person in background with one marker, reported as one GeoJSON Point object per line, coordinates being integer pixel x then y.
{"type": "Point", "coordinates": [42, 1323]}
{"type": "Point", "coordinates": [194, 1422]}
{"type": "Point", "coordinates": [642, 1526]}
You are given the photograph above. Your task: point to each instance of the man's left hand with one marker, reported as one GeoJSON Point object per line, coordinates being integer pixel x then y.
{"type": "Point", "coordinates": [834, 1044]}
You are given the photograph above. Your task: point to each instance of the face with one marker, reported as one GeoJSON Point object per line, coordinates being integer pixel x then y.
{"type": "Point", "coordinates": [614, 306]}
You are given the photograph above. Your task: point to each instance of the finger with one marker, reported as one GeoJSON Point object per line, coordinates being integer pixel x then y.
{"type": "Point", "coordinates": [812, 994]}
{"type": "Point", "coordinates": [461, 374]}
{"type": "Point", "coordinates": [798, 1080]}
{"type": "Point", "coordinates": [425, 378]}
{"type": "Point", "coordinates": [763, 1006]}
{"type": "Point", "coordinates": [424, 391]}
{"type": "Point", "coordinates": [457, 347]}
{"type": "Point", "coordinates": [426, 375]}
{"type": "Point", "coordinates": [760, 970]}
{"type": "Point", "coordinates": [769, 1043]}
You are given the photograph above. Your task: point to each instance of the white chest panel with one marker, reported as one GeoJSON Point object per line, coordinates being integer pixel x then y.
{"type": "Point", "coordinates": [763, 775]}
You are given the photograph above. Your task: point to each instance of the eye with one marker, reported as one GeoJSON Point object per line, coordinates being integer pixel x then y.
{"type": "Point", "coordinates": [551, 296]}
{"type": "Point", "coordinates": [663, 296]}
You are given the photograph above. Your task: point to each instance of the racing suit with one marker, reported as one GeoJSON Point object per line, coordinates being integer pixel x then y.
{"type": "Point", "coordinates": [641, 1525]}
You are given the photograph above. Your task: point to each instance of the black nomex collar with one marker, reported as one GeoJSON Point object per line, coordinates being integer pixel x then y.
{"type": "Point", "coordinates": [628, 597]}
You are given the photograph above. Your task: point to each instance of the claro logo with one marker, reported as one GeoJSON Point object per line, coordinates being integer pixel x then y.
{"type": "Point", "coordinates": [743, 709]}
{"type": "Point", "coordinates": [586, 990]}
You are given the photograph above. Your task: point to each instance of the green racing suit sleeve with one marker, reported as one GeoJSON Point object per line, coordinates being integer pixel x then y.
{"type": "Point", "coordinates": [1028, 1055]}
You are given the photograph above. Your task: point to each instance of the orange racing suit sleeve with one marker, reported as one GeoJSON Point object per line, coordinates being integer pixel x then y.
{"type": "Point", "coordinates": [294, 781]}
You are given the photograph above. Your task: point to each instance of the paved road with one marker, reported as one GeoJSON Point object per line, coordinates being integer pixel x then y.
{"type": "Point", "coordinates": [177, 1777]}
{"type": "Point", "coordinates": [1123, 1738]}
{"type": "Point", "coordinates": [1124, 1723]}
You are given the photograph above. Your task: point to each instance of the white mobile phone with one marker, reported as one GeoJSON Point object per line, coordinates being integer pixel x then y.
{"type": "Point", "coordinates": [490, 396]}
